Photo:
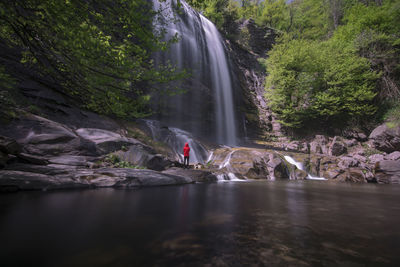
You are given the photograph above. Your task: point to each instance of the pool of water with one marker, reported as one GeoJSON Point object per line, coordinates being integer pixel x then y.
{"type": "Point", "coordinates": [299, 223]}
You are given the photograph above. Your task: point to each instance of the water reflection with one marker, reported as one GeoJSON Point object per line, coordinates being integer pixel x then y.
{"type": "Point", "coordinates": [256, 223]}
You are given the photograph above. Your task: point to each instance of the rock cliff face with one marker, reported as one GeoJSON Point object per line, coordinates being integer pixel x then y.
{"type": "Point", "coordinates": [247, 47]}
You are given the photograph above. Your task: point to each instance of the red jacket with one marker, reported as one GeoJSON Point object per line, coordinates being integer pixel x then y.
{"type": "Point", "coordinates": [186, 150]}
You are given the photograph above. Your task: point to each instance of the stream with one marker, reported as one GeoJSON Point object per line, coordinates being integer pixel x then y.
{"type": "Point", "coordinates": [284, 223]}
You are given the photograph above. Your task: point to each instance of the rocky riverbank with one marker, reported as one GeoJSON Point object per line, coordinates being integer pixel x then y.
{"type": "Point", "coordinates": [41, 154]}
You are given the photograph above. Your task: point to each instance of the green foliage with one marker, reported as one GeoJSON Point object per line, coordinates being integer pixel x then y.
{"type": "Point", "coordinates": [334, 63]}
{"type": "Point", "coordinates": [369, 151]}
{"type": "Point", "coordinates": [392, 116]}
{"type": "Point", "coordinates": [221, 12]}
{"type": "Point", "coordinates": [116, 162]}
{"type": "Point", "coordinates": [322, 81]}
{"type": "Point", "coordinates": [100, 51]}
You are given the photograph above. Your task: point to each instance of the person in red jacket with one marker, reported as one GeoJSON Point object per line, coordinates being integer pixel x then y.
{"type": "Point", "coordinates": [186, 151]}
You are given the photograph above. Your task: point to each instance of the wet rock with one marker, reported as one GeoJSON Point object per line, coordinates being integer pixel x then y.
{"type": "Point", "coordinates": [331, 174]}
{"type": "Point", "coordinates": [158, 162]}
{"type": "Point", "coordinates": [195, 175]}
{"type": "Point", "coordinates": [393, 156]}
{"type": "Point", "coordinates": [137, 178]}
{"type": "Point", "coordinates": [277, 169]}
{"type": "Point", "coordinates": [354, 175]}
{"type": "Point", "coordinates": [388, 171]}
{"type": "Point", "coordinates": [386, 139]}
{"type": "Point", "coordinates": [50, 178]}
{"type": "Point", "coordinates": [300, 175]}
{"type": "Point", "coordinates": [249, 163]}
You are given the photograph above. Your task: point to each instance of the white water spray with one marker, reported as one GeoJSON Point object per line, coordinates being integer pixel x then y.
{"type": "Point", "coordinates": [300, 166]}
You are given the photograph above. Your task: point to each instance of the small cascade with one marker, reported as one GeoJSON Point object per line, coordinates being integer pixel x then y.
{"type": "Point", "coordinates": [176, 138]}
{"type": "Point", "coordinates": [300, 166]}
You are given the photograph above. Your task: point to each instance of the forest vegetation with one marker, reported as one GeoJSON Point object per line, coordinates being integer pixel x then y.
{"type": "Point", "coordinates": [98, 52]}
{"type": "Point", "coordinates": [335, 63]}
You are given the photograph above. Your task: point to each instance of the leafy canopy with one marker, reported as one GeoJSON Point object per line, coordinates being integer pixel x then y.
{"type": "Point", "coordinates": [99, 51]}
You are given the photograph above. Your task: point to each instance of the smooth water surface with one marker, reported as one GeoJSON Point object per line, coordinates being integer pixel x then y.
{"type": "Point", "coordinates": [295, 223]}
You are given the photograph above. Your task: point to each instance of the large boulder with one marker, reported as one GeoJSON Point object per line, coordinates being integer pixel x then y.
{"type": "Point", "coordinates": [385, 138]}
{"type": "Point", "coordinates": [393, 156]}
{"type": "Point", "coordinates": [50, 178]}
{"type": "Point", "coordinates": [337, 147]}
{"type": "Point", "coordinates": [43, 137]}
{"type": "Point", "coordinates": [388, 171]}
{"type": "Point", "coordinates": [249, 163]}
{"type": "Point", "coordinates": [319, 145]}
{"type": "Point", "coordinates": [106, 141]}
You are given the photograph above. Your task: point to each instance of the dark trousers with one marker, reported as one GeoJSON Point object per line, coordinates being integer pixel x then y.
{"type": "Point", "coordinates": [186, 161]}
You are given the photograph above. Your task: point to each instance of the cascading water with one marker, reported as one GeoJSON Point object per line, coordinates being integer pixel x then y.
{"type": "Point", "coordinates": [299, 166]}
{"type": "Point", "coordinates": [207, 108]}
{"type": "Point", "coordinates": [176, 138]}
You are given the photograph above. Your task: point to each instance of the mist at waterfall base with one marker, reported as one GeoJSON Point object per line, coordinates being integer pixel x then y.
{"type": "Point", "coordinates": [208, 107]}
{"type": "Point", "coordinates": [281, 223]}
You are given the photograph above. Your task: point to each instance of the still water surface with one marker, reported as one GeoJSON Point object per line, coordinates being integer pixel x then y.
{"type": "Point", "coordinates": [299, 223]}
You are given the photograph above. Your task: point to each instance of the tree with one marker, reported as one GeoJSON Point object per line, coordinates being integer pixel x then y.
{"type": "Point", "coordinates": [100, 51]}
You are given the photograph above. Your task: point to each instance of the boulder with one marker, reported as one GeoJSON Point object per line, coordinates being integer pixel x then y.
{"type": "Point", "coordinates": [376, 158]}
{"type": "Point", "coordinates": [350, 142]}
{"type": "Point", "coordinates": [249, 163]}
{"type": "Point", "coordinates": [43, 137]}
{"type": "Point", "coordinates": [337, 147]}
{"type": "Point", "coordinates": [294, 145]}
{"type": "Point", "coordinates": [138, 155]}
{"type": "Point", "coordinates": [347, 162]}
{"type": "Point", "coordinates": [319, 145]}
{"type": "Point", "coordinates": [106, 141]}
{"type": "Point", "coordinates": [386, 139]}
{"type": "Point", "coordinates": [388, 171]}
{"type": "Point", "coordinates": [354, 175]}
{"type": "Point", "coordinates": [393, 156]}
{"type": "Point", "coordinates": [359, 136]}
{"type": "Point", "coordinates": [158, 162]}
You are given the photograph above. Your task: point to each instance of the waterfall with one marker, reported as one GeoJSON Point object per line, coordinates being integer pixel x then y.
{"type": "Point", "coordinates": [176, 138]}
{"type": "Point", "coordinates": [207, 108]}
{"type": "Point", "coordinates": [299, 166]}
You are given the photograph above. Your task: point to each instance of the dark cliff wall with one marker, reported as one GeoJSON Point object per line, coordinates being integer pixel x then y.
{"type": "Point", "coordinates": [248, 44]}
